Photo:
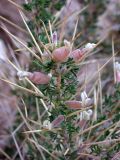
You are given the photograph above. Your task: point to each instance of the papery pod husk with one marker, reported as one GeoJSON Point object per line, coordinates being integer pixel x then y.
{"type": "Point", "coordinates": [60, 54]}
{"type": "Point", "coordinates": [77, 55]}
{"type": "Point", "coordinates": [58, 121]}
{"type": "Point", "coordinates": [82, 123]}
{"type": "Point", "coordinates": [74, 104]}
{"type": "Point", "coordinates": [39, 78]}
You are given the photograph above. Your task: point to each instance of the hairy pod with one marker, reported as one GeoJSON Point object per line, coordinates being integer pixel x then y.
{"type": "Point", "coordinates": [56, 122]}
{"type": "Point", "coordinates": [60, 54]}
{"type": "Point", "coordinates": [39, 78]}
{"type": "Point", "coordinates": [74, 104]}
{"type": "Point", "coordinates": [77, 55]}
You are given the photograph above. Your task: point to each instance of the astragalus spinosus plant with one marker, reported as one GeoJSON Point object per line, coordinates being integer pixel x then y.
{"type": "Point", "coordinates": [66, 123]}
{"type": "Point", "coordinates": [61, 115]}
{"type": "Point", "coordinates": [57, 119]}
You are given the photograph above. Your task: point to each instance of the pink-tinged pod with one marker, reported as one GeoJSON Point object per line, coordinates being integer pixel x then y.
{"type": "Point", "coordinates": [77, 55]}
{"type": "Point", "coordinates": [58, 121]}
{"type": "Point", "coordinates": [39, 78]}
{"type": "Point", "coordinates": [118, 76]}
{"type": "Point", "coordinates": [74, 104]}
{"type": "Point", "coordinates": [83, 123]}
{"type": "Point", "coordinates": [60, 54]}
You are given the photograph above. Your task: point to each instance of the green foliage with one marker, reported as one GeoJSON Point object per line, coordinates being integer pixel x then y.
{"type": "Point", "coordinates": [41, 7]}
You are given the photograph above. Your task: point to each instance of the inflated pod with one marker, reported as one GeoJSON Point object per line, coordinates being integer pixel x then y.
{"type": "Point", "coordinates": [56, 122]}
{"type": "Point", "coordinates": [61, 54]}
{"type": "Point", "coordinates": [74, 104]}
{"type": "Point", "coordinates": [39, 78]}
{"type": "Point", "coordinates": [76, 54]}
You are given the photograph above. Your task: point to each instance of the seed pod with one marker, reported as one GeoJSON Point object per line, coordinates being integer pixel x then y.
{"type": "Point", "coordinates": [60, 54]}
{"type": "Point", "coordinates": [74, 104]}
{"type": "Point", "coordinates": [58, 121]}
{"type": "Point", "coordinates": [77, 54]}
{"type": "Point", "coordinates": [82, 123]}
{"type": "Point", "coordinates": [39, 78]}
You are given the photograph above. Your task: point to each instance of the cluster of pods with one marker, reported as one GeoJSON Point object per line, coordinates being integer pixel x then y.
{"type": "Point", "coordinates": [59, 55]}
